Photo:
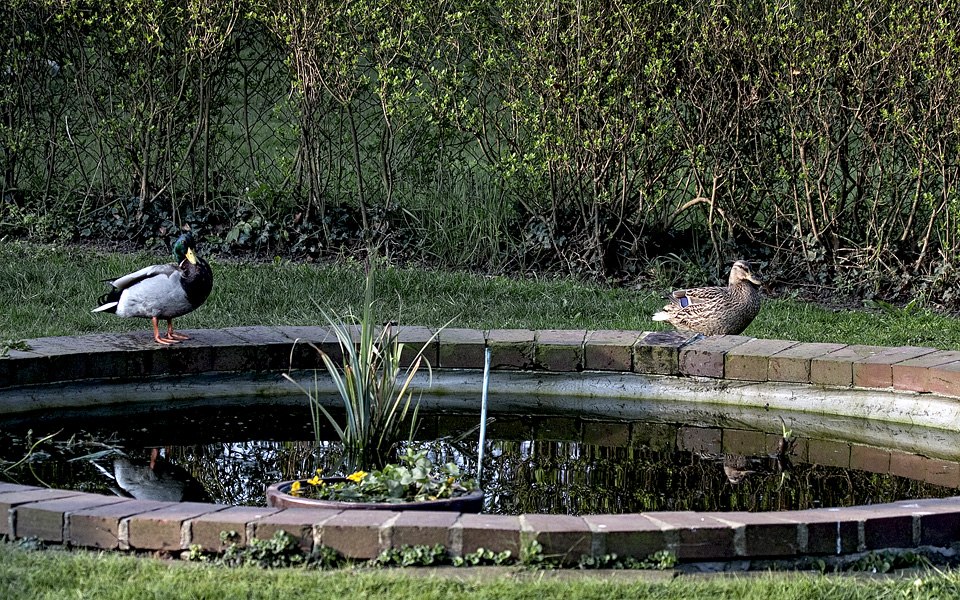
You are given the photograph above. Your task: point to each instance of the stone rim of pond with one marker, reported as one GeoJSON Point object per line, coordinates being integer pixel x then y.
{"type": "Point", "coordinates": [922, 383]}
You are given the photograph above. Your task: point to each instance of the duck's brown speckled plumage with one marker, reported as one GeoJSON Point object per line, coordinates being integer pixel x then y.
{"type": "Point", "coordinates": [716, 310]}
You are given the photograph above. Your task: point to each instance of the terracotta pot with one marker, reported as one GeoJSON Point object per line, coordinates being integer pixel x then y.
{"type": "Point", "coordinates": [278, 496]}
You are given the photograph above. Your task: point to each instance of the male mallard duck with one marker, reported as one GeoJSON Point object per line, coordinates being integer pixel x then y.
{"type": "Point", "coordinates": [716, 310]}
{"type": "Point", "coordinates": [162, 291]}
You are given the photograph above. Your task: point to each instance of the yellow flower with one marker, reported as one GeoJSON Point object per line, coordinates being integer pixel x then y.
{"type": "Point", "coordinates": [357, 476]}
{"type": "Point", "coordinates": [295, 489]}
{"type": "Point", "coordinates": [315, 480]}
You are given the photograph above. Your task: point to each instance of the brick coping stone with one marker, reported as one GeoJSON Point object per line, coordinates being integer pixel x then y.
{"type": "Point", "coordinates": [91, 520]}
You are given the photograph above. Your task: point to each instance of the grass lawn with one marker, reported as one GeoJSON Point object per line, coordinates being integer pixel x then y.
{"type": "Point", "coordinates": [55, 575]}
{"type": "Point", "coordinates": [49, 291]}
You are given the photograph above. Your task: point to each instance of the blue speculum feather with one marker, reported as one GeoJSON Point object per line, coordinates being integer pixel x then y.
{"type": "Point", "coordinates": [684, 302]}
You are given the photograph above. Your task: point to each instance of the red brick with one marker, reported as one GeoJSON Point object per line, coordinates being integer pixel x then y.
{"type": "Point", "coordinates": [205, 530]}
{"type": "Point", "coordinates": [942, 472]}
{"type": "Point", "coordinates": [764, 534]}
{"type": "Point", "coordinates": [873, 460]}
{"type": "Point", "coordinates": [627, 535]}
{"type": "Point", "coordinates": [914, 374]}
{"type": "Point", "coordinates": [461, 348]}
{"type": "Point", "coordinates": [559, 350]}
{"type": "Point", "coordinates": [876, 371]}
{"type": "Point", "coordinates": [46, 520]}
{"type": "Point", "coordinates": [306, 340]}
{"type": "Point", "coordinates": [511, 348]}
{"type": "Point", "coordinates": [945, 379]}
{"type": "Point", "coordinates": [793, 364]}
{"type": "Point", "coordinates": [939, 520]}
{"type": "Point", "coordinates": [298, 522]}
{"type": "Point", "coordinates": [829, 530]}
{"type": "Point", "coordinates": [271, 349]}
{"type": "Point", "coordinates": [162, 529]}
{"type": "Point", "coordinates": [563, 537]}
{"type": "Point", "coordinates": [661, 437]}
{"type": "Point", "coordinates": [356, 533]}
{"type": "Point", "coordinates": [99, 527]}
{"type": "Point", "coordinates": [911, 466]}
{"type": "Point", "coordinates": [610, 350]}
{"type": "Point", "coordinates": [421, 527]}
{"type": "Point", "coordinates": [705, 357]}
{"type": "Point", "coordinates": [829, 453]}
{"type": "Point", "coordinates": [698, 537]}
{"type": "Point", "coordinates": [885, 526]}
{"type": "Point", "coordinates": [741, 441]}
{"type": "Point", "coordinates": [492, 532]}
{"type": "Point", "coordinates": [750, 361]}
{"type": "Point", "coordinates": [659, 352]}
{"type": "Point", "coordinates": [14, 498]}
{"type": "Point", "coordinates": [836, 368]}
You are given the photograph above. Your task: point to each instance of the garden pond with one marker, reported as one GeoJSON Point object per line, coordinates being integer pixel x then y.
{"type": "Point", "coordinates": [694, 457]}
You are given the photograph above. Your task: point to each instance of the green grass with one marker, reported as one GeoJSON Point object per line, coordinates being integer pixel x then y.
{"type": "Point", "coordinates": [55, 575]}
{"type": "Point", "coordinates": [50, 291]}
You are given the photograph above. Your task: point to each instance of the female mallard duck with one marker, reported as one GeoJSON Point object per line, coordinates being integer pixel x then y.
{"type": "Point", "coordinates": [162, 291]}
{"type": "Point", "coordinates": [716, 310]}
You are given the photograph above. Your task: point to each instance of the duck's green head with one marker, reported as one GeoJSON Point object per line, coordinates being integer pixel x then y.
{"type": "Point", "coordinates": [185, 248]}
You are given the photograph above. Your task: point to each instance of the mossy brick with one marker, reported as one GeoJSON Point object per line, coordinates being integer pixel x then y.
{"type": "Point", "coordinates": [905, 464]}
{"type": "Point", "coordinates": [510, 428]}
{"type": "Point", "coordinates": [228, 352]}
{"type": "Point", "coordinates": [945, 379]}
{"type": "Point", "coordinates": [186, 358]}
{"type": "Point", "coordinates": [610, 350]}
{"type": "Point", "coordinates": [99, 527]}
{"type": "Point", "coordinates": [658, 352]}
{"type": "Point", "coordinates": [744, 442]}
{"type": "Point", "coordinates": [422, 528]}
{"type": "Point", "coordinates": [695, 536]}
{"type": "Point", "coordinates": [876, 371]}
{"type": "Point", "coordinates": [942, 472]}
{"type": "Point", "coordinates": [836, 368]}
{"type": "Point", "coordinates": [414, 338]}
{"type": "Point", "coordinates": [615, 435]}
{"type": "Point", "coordinates": [511, 348]}
{"type": "Point", "coordinates": [870, 459]}
{"type": "Point", "coordinates": [792, 365]}
{"type": "Point", "coordinates": [627, 534]}
{"type": "Point", "coordinates": [750, 361]}
{"type": "Point", "coordinates": [705, 357]}
{"type": "Point", "coordinates": [763, 534]}
{"type": "Point", "coordinates": [829, 453]}
{"type": "Point", "coordinates": [462, 348]}
{"type": "Point", "coordinates": [558, 429]}
{"type": "Point", "coordinates": [205, 530]}
{"type": "Point", "coordinates": [829, 530]}
{"type": "Point", "coordinates": [301, 523]}
{"type": "Point", "coordinates": [660, 437]}
{"type": "Point", "coordinates": [14, 498]}
{"type": "Point", "coordinates": [270, 348]}
{"type": "Point", "coordinates": [700, 440]}
{"type": "Point", "coordinates": [492, 532]}
{"type": "Point", "coordinates": [304, 343]}
{"type": "Point", "coordinates": [559, 350]}
{"type": "Point", "coordinates": [162, 529]}
{"type": "Point", "coordinates": [46, 520]}
{"type": "Point", "coordinates": [914, 374]}
{"type": "Point", "coordinates": [564, 537]}
{"type": "Point", "coordinates": [356, 533]}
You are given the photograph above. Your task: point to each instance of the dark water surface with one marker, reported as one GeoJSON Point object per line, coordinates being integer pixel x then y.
{"type": "Point", "coordinates": [533, 464]}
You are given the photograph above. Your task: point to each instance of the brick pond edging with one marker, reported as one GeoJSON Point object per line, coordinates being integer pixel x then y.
{"type": "Point", "coordinates": [92, 520]}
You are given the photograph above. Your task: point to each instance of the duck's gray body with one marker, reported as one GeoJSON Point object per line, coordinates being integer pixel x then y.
{"type": "Point", "coordinates": [155, 291]}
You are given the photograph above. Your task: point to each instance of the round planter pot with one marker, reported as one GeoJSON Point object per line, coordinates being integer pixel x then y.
{"type": "Point", "coordinates": [278, 496]}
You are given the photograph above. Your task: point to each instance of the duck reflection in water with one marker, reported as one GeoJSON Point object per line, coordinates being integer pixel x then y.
{"type": "Point", "coordinates": [155, 479]}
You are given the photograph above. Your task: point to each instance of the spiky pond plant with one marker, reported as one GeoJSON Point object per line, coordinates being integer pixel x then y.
{"type": "Point", "coordinates": [375, 388]}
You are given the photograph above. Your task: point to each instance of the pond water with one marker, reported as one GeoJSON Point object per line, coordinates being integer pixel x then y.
{"type": "Point", "coordinates": [559, 463]}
